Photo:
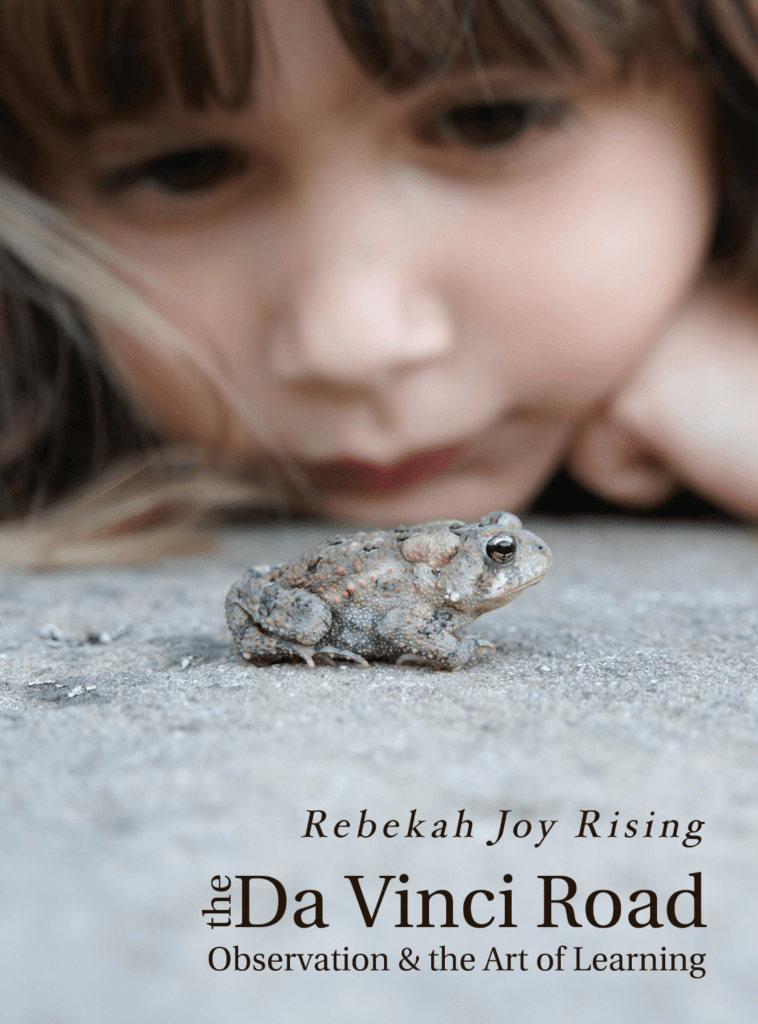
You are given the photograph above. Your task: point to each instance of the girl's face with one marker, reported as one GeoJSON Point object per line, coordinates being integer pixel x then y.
{"type": "Point", "coordinates": [418, 296]}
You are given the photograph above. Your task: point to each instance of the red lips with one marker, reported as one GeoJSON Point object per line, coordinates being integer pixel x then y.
{"type": "Point", "coordinates": [352, 475]}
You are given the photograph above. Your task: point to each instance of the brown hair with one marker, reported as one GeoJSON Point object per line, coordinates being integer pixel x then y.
{"type": "Point", "coordinates": [67, 66]}
{"type": "Point", "coordinates": [73, 64]}
{"type": "Point", "coordinates": [401, 42]}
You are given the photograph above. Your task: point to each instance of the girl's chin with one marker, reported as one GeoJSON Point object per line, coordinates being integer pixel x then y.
{"type": "Point", "coordinates": [465, 495]}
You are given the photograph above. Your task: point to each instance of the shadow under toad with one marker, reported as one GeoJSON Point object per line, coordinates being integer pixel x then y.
{"type": "Point", "coordinates": [203, 649]}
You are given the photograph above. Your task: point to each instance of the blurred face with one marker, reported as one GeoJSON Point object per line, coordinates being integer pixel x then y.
{"type": "Point", "coordinates": [416, 297]}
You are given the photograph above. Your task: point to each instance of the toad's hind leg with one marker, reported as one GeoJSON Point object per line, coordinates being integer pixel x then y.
{"type": "Point", "coordinates": [274, 623]}
{"type": "Point", "coordinates": [424, 639]}
{"type": "Point", "coordinates": [260, 649]}
{"type": "Point", "coordinates": [451, 656]}
{"type": "Point", "coordinates": [331, 653]}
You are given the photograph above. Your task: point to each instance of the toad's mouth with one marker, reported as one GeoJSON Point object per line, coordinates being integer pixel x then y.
{"type": "Point", "coordinates": [370, 478]}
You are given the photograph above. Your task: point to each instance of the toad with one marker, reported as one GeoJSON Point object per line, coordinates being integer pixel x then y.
{"type": "Point", "coordinates": [400, 595]}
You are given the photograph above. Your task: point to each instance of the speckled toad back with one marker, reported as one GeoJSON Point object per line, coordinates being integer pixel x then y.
{"type": "Point", "coordinates": [396, 595]}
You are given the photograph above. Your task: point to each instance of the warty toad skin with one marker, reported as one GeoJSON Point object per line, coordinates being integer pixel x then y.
{"type": "Point", "coordinates": [397, 595]}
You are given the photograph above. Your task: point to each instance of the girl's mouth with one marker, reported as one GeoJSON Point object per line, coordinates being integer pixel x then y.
{"type": "Point", "coordinates": [369, 478]}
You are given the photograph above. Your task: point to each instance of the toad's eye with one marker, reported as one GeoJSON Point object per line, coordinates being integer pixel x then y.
{"type": "Point", "coordinates": [183, 172]}
{"type": "Point", "coordinates": [491, 124]}
{"type": "Point", "coordinates": [502, 549]}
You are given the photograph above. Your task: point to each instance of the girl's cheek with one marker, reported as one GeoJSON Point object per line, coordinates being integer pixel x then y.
{"type": "Point", "coordinates": [586, 262]}
{"type": "Point", "coordinates": [203, 283]}
{"type": "Point", "coordinates": [178, 398]}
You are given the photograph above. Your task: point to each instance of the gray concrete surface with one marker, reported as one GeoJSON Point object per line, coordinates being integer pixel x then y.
{"type": "Point", "coordinates": [140, 758]}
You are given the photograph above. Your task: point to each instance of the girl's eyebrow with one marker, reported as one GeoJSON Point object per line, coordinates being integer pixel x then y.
{"type": "Point", "coordinates": [169, 122]}
{"type": "Point", "coordinates": [174, 124]}
{"type": "Point", "coordinates": [491, 84]}
{"type": "Point", "coordinates": [115, 144]}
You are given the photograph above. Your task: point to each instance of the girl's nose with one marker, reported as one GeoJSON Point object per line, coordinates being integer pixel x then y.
{"type": "Point", "coordinates": [359, 327]}
{"type": "Point", "coordinates": [357, 309]}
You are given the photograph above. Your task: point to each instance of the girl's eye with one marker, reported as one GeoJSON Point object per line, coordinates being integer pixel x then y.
{"type": "Point", "coordinates": [485, 125]}
{"type": "Point", "coordinates": [191, 170]}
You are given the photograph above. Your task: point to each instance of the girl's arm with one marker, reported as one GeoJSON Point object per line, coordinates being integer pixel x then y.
{"type": "Point", "coordinates": [687, 418]}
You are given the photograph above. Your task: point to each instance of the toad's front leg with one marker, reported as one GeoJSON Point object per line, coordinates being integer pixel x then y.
{"type": "Point", "coordinates": [427, 639]}
{"type": "Point", "coordinates": [274, 623]}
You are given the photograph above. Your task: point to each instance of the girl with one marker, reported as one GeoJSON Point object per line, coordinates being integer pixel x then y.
{"type": "Point", "coordinates": [406, 257]}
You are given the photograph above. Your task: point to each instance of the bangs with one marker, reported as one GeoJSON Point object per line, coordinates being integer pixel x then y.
{"type": "Point", "coordinates": [404, 42]}
{"type": "Point", "coordinates": [72, 65]}
{"type": "Point", "coordinates": [76, 63]}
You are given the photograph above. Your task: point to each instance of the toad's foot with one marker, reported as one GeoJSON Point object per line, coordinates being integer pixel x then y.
{"type": "Point", "coordinates": [330, 653]}
{"type": "Point", "coordinates": [266, 649]}
{"type": "Point", "coordinates": [485, 646]}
